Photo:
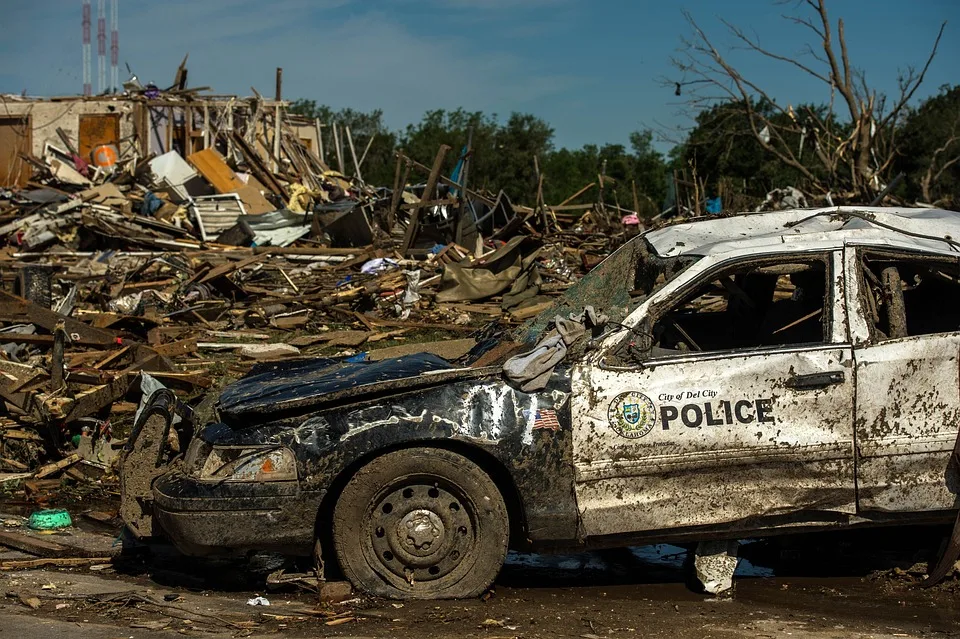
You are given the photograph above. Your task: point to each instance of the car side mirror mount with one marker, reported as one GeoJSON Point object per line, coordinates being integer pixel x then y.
{"type": "Point", "coordinates": [641, 343]}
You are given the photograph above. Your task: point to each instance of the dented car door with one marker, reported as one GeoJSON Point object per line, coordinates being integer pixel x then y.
{"type": "Point", "coordinates": [719, 435]}
{"type": "Point", "coordinates": [905, 324]}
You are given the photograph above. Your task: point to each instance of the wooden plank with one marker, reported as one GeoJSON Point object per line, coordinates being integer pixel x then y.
{"type": "Point", "coordinates": [40, 340]}
{"type": "Point", "coordinates": [112, 357]}
{"type": "Point", "coordinates": [257, 167]}
{"type": "Point", "coordinates": [225, 269]}
{"type": "Point", "coordinates": [296, 250]}
{"type": "Point", "coordinates": [47, 319]}
{"type": "Point", "coordinates": [445, 180]}
{"type": "Point", "coordinates": [32, 545]}
{"type": "Point", "coordinates": [174, 349]}
{"type": "Point", "coordinates": [210, 164]}
{"type": "Point", "coordinates": [49, 469]}
{"type": "Point", "coordinates": [253, 200]}
{"type": "Point", "coordinates": [15, 138]}
{"type": "Point", "coordinates": [20, 434]}
{"type": "Point", "coordinates": [86, 402]}
{"type": "Point", "coordinates": [527, 312]}
{"type": "Point", "coordinates": [52, 561]}
{"type": "Point", "coordinates": [428, 192]}
{"type": "Point", "coordinates": [373, 321]}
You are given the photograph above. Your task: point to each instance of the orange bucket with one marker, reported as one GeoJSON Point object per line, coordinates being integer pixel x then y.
{"type": "Point", "coordinates": [105, 155]}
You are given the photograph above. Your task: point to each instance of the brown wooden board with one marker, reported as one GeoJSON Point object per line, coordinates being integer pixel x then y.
{"type": "Point", "coordinates": [97, 130]}
{"type": "Point", "coordinates": [32, 545]}
{"type": "Point", "coordinates": [14, 140]}
{"type": "Point", "coordinates": [214, 170]}
{"type": "Point", "coordinates": [211, 165]}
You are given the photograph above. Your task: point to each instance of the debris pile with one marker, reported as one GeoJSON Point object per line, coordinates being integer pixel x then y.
{"type": "Point", "coordinates": [214, 236]}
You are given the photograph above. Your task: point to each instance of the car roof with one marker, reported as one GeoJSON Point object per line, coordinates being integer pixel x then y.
{"type": "Point", "coordinates": [808, 229]}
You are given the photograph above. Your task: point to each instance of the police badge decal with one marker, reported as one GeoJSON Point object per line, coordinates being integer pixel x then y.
{"type": "Point", "coordinates": [632, 415]}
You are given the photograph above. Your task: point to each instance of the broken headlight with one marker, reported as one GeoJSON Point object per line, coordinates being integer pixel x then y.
{"type": "Point", "coordinates": [245, 463]}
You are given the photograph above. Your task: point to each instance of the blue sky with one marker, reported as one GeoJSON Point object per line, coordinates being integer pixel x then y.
{"type": "Point", "coordinates": [588, 67]}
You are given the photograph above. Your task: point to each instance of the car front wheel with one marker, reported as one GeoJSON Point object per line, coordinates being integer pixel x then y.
{"type": "Point", "coordinates": [421, 523]}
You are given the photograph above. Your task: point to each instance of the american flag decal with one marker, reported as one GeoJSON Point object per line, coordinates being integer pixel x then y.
{"type": "Point", "coordinates": [546, 419]}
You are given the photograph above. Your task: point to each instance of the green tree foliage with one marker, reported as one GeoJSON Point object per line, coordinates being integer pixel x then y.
{"type": "Point", "coordinates": [420, 141]}
{"type": "Point", "coordinates": [567, 171]}
{"type": "Point", "coordinates": [930, 149]}
{"type": "Point", "coordinates": [378, 166]}
{"type": "Point", "coordinates": [502, 156]}
{"type": "Point", "coordinates": [722, 148]}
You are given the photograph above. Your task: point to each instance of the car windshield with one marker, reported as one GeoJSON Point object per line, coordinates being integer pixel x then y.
{"type": "Point", "coordinates": [615, 287]}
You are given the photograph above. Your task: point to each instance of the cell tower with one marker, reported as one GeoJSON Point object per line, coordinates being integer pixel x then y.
{"type": "Point", "coordinates": [87, 88]}
{"type": "Point", "coordinates": [114, 48]}
{"type": "Point", "coordinates": [101, 48]}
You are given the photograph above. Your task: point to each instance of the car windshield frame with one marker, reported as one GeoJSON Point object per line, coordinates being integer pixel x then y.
{"type": "Point", "coordinates": [616, 287]}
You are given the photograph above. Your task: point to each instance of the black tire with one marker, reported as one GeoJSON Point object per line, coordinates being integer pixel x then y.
{"type": "Point", "coordinates": [421, 523]}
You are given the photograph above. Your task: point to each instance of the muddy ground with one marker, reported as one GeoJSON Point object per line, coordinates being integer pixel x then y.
{"type": "Point", "coordinates": [851, 584]}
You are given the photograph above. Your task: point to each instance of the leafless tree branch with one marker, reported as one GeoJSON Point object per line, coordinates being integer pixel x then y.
{"type": "Point", "coordinates": [911, 87]}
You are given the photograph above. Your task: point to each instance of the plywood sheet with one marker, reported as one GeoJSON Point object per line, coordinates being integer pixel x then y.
{"type": "Point", "coordinates": [97, 130]}
{"type": "Point", "coordinates": [211, 165]}
{"type": "Point", "coordinates": [14, 140]}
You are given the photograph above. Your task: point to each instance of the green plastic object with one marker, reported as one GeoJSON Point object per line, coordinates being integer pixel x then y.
{"type": "Point", "coordinates": [53, 519]}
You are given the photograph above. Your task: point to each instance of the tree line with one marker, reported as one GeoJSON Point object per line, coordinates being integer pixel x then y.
{"type": "Point", "coordinates": [720, 150]}
{"type": "Point", "coordinates": [503, 153]}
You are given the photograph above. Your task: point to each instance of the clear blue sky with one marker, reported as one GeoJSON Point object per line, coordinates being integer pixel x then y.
{"type": "Point", "coordinates": [588, 67]}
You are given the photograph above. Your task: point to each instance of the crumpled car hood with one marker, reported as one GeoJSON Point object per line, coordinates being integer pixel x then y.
{"type": "Point", "coordinates": [276, 387]}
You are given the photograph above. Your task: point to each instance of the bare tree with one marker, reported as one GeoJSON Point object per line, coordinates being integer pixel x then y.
{"type": "Point", "coordinates": [944, 156]}
{"type": "Point", "coordinates": [856, 154]}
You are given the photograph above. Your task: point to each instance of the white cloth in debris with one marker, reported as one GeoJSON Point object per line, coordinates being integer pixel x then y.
{"type": "Point", "coordinates": [377, 265]}
{"type": "Point", "coordinates": [531, 371]}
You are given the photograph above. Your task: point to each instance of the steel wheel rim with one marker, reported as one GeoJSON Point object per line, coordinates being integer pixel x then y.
{"type": "Point", "coordinates": [420, 530]}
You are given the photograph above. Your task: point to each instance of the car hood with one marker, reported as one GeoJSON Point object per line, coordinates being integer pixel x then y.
{"type": "Point", "coordinates": [275, 390]}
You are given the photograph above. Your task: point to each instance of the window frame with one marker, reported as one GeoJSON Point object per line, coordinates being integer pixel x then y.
{"type": "Point", "coordinates": [893, 255]}
{"type": "Point", "coordinates": [832, 258]}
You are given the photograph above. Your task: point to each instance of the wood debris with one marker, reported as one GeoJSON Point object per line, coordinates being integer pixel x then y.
{"type": "Point", "coordinates": [228, 240]}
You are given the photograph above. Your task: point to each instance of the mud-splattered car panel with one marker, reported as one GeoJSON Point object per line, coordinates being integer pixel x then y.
{"type": "Point", "coordinates": [658, 430]}
{"type": "Point", "coordinates": [525, 435]}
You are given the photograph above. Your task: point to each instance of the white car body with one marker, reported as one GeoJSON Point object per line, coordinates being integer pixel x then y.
{"type": "Point", "coordinates": [858, 423]}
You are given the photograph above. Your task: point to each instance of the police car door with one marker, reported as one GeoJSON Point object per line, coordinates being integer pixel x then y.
{"type": "Point", "coordinates": [905, 322]}
{"type": "Point", "coordinates": [731, 400]}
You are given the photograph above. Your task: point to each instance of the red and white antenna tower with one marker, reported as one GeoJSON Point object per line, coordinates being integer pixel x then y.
{"type": "Point", "coordinates": [101, 48]}
{"type": "Point", "coordinates": [87, 89]}
{"type": "Point", "coordinates": [114, 48]}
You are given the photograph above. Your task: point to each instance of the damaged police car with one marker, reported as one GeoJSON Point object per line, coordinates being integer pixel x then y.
{"type": "Point", "coordinates": [759, 374]}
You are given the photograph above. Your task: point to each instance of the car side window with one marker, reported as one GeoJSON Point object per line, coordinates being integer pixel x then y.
{"type": "Point", "coordinates": [755, 305]}
{"type": "Point", "coordinates": [910, 295]}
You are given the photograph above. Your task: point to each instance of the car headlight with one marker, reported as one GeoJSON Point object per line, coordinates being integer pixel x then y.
{"type": "Point", "coordinates": [245, 463]}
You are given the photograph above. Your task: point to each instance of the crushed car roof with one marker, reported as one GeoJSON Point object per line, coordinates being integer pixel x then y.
{"type": "Point", "coordinates": [922, 228]}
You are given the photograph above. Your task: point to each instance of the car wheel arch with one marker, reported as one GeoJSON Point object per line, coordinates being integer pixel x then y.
{"type": "Point", "coordinates": [489, 463]}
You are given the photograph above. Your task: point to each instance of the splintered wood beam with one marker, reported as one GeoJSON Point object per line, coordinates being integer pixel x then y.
{"type": "Point", "coordinates": [411, 231]}
{"type": "Point", "coordinates": [14, 306]}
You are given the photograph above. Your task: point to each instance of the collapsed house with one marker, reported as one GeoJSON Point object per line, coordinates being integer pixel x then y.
{"type": "Point", "coordinates": [182, 237]}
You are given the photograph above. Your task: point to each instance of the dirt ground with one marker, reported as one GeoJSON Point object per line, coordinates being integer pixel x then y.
{"type": "Point", "coordinates": [852, 584]}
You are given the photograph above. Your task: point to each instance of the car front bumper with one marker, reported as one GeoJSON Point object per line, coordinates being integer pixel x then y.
{"type": "Point", "coordinates": [204, 518]}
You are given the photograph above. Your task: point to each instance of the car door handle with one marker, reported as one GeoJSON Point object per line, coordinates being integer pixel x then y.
{"type": "Point", "coordinates": [815, 380]}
